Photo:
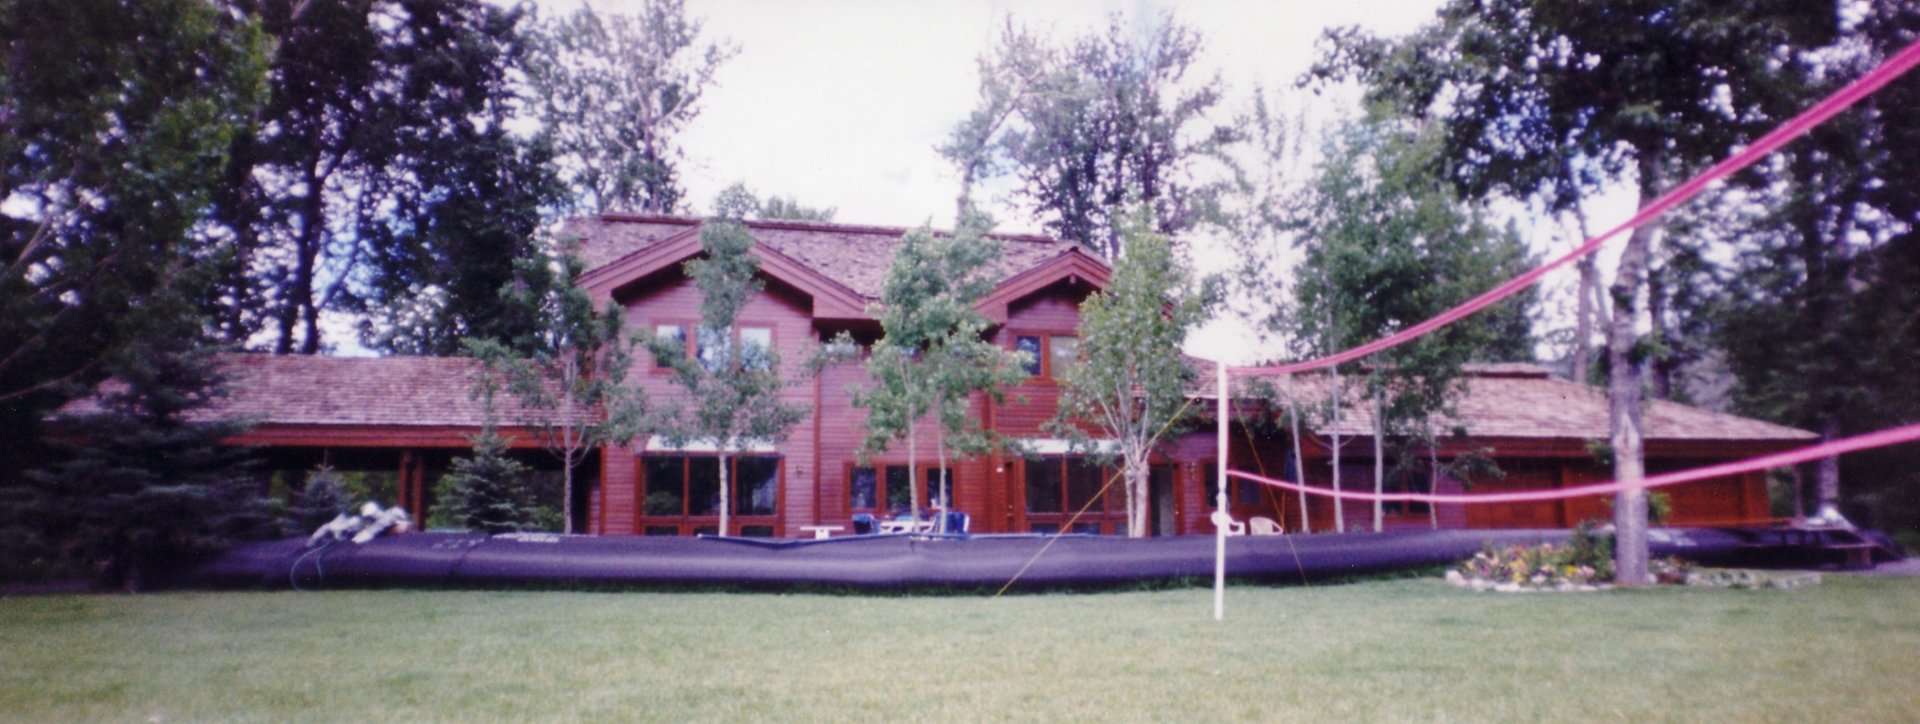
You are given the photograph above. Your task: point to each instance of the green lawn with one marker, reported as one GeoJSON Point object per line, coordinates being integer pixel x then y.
{"type": "Point", "coordinates": [1408, 649]}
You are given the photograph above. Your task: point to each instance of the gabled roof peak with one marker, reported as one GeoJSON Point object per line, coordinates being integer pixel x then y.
{"type": "Point", "coordinates": [803, 225]}
{"type": "Point", "coordinates": [845, 262]}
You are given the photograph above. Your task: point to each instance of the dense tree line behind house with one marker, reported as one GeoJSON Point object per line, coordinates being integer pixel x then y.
{"type": "Point", "coordinates": [182, 176]}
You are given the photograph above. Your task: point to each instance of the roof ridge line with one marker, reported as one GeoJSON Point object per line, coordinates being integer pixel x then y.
{"type": "Point", "coordinates": [803, 225]}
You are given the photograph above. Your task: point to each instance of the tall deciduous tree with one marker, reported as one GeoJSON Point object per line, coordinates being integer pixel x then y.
{"type": "Point", "coordinates": [381, 179]}
{"type": "Point", "coordinates": [613, 93]}
{"type": "Point", "coordinates": [1527, 89]}
{"type": "Point", "coordinates": [1091, 125]}
{"type": "Point", "coordinates": [571, 376]}
{"type": "Point", "coordinates": [933, 357]}
{"type": "Point", "coordinates": [1131, 382]}
{"type": "Point", "coordinates": [1819, 326]}
{"type": "Point", "coordinates": [115, 117]}
{"type": "Point", "coordinates": [1389, 243]}
{"type": "Point", "coordinates": [773, 207]}
{"type": "Point", "coordinates": [733, 389]}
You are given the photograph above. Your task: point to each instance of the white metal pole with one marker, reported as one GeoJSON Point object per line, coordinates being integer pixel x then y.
{"type": "Point", "coordinates": [1220, 502]}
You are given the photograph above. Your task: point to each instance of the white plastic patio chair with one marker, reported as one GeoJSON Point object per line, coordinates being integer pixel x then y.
{"type": "Point", "coordinates": [1224, 521]}
{"type": "Point", "coordinates": [1262, 525]}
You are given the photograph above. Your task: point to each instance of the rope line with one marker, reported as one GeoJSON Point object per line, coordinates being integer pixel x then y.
{"type": "Point", "coordinates": [1893, 68]}
{"type": "Point", "coordinates": [1883, 438]}
{"type": "Point", "coordinates": [1075, 518]}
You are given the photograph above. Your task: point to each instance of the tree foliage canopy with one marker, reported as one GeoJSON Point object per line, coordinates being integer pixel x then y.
{"type": "Point", "coordinates": [1389, 244]}
{"type": "Point", "coordinates": [933, 355]}
{"type": "Point", "coordinates": [1522, 86]}
{"type": "Point", "coordinates": [1131, 382]}
{"type": "Point", "coordinates": [114, 123]}
{"type": "Point", "coordinates": [1092, 125]}
{"type": "Point", "coordinates": [733, 389]}
{"type": "Point", "coordinates": [145, 484]}
{"type": "Point", "coordinates": [115, 120]}
{"type": "Point", "coordinates": [571, 372]}
{"type": "Point", "coordinates": [613, 94]}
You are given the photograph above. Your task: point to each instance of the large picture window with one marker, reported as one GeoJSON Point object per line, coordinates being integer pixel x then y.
{"type": "Point", "coordinates": [886, 489]}
{"type": "Point", "coordinates": [1065, 494]}
{"type": "Point", "coordinates": [685, 489]}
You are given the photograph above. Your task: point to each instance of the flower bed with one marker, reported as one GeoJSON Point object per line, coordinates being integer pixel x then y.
{"type": "Point", "coordinates": [1585, 563]}
{"type": "Point", "coordinates": [1528, 568]}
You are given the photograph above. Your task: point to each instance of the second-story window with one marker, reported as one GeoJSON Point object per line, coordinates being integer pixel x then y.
{"type": "Point", "coordinates": [1048, 356]}
{"type": "Point", "coordinates": [672, 334]}
{"type": "Point", "coordinates": [713, 347]}
{"type": "Point", "coordinates": [1063, 351]}
{"type": "Point", "coordinates": [756, 344]}
{"type": "Point", "coordinates": [1029, 346]}
{"type": "Point", "coordinates": [747, 345]}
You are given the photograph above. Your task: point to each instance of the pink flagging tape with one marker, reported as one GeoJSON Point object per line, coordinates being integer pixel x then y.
{"type": "Point", "coordinates": [1883, 438]}
{"type": "Point", "coordinates": [1899, 64]}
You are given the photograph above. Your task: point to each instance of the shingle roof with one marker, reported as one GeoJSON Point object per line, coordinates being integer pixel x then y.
{"type": "Point", "coordinates": [1502, 401]}
{"type": "Point", "coordinates": [348, 391]}
{"type": "Point", "coordinates": [856, 256]}
{"type": "Point", "coordinates": [1523, 401]}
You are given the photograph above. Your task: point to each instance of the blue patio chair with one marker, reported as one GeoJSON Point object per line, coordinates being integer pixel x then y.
{"type": "Point", "coordinates": [862, 524]}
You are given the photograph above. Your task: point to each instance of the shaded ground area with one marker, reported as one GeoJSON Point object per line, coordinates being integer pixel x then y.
{"type": "Point", "coordinates": [1389, 650]}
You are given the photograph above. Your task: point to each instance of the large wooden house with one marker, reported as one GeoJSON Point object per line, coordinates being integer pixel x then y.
{"type": "Point", "coordinates": [411, 415]}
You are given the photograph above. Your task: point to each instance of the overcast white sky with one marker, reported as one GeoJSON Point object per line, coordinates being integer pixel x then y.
{"type": "Point", "coordinates": [841, 102]}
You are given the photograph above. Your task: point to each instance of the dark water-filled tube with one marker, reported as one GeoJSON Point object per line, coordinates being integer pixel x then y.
{"type": "Point", "coordinates": [892, 562]}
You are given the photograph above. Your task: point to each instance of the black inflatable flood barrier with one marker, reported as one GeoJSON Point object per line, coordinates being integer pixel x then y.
{"type": "Point", "coordinates": [882, 562]}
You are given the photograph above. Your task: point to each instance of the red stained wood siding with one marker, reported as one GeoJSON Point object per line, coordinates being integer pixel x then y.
{"type": "Point", "coordinates": [822, 450]}
{"type": "Point", "coordinates": [671, 298]}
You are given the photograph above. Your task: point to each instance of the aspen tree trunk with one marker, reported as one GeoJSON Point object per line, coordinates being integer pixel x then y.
{"type": "Point", "coordinates": [1590, 306]}
{"type": "Point", "coordinates": [1339, 509]}
{"type": "Point", "coordinates": [726, 502]}
{"type": "Point", "coordinates": [568, 445]}
{"type": "Point", "coordinates": [1624, 401]}
{"type": "Point", "coordinates": [1433, 480]}
{"type": "Point", "coordinates": [1379, 461]}
{"type": "Point", "coordinates": [937, 496]}
{"type": "Point", "coordinates": [1583, 322]}
{"type": "Point", "coordinates": [1299, 463]}
{"type": "Point", "coordinates": [1136, 476]}
{"type": "Point", "coordinates": [913, 460]}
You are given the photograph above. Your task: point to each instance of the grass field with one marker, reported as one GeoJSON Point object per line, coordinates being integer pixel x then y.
{"type": "Point", "coordinates": [1408, 649]}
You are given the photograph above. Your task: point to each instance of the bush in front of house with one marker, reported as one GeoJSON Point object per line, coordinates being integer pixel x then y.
{"type": "Point", "coordinates": [485, 493]}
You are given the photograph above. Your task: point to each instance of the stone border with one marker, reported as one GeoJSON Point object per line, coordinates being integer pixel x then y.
{"type": "Point", "coordinates": [1736, 578]}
